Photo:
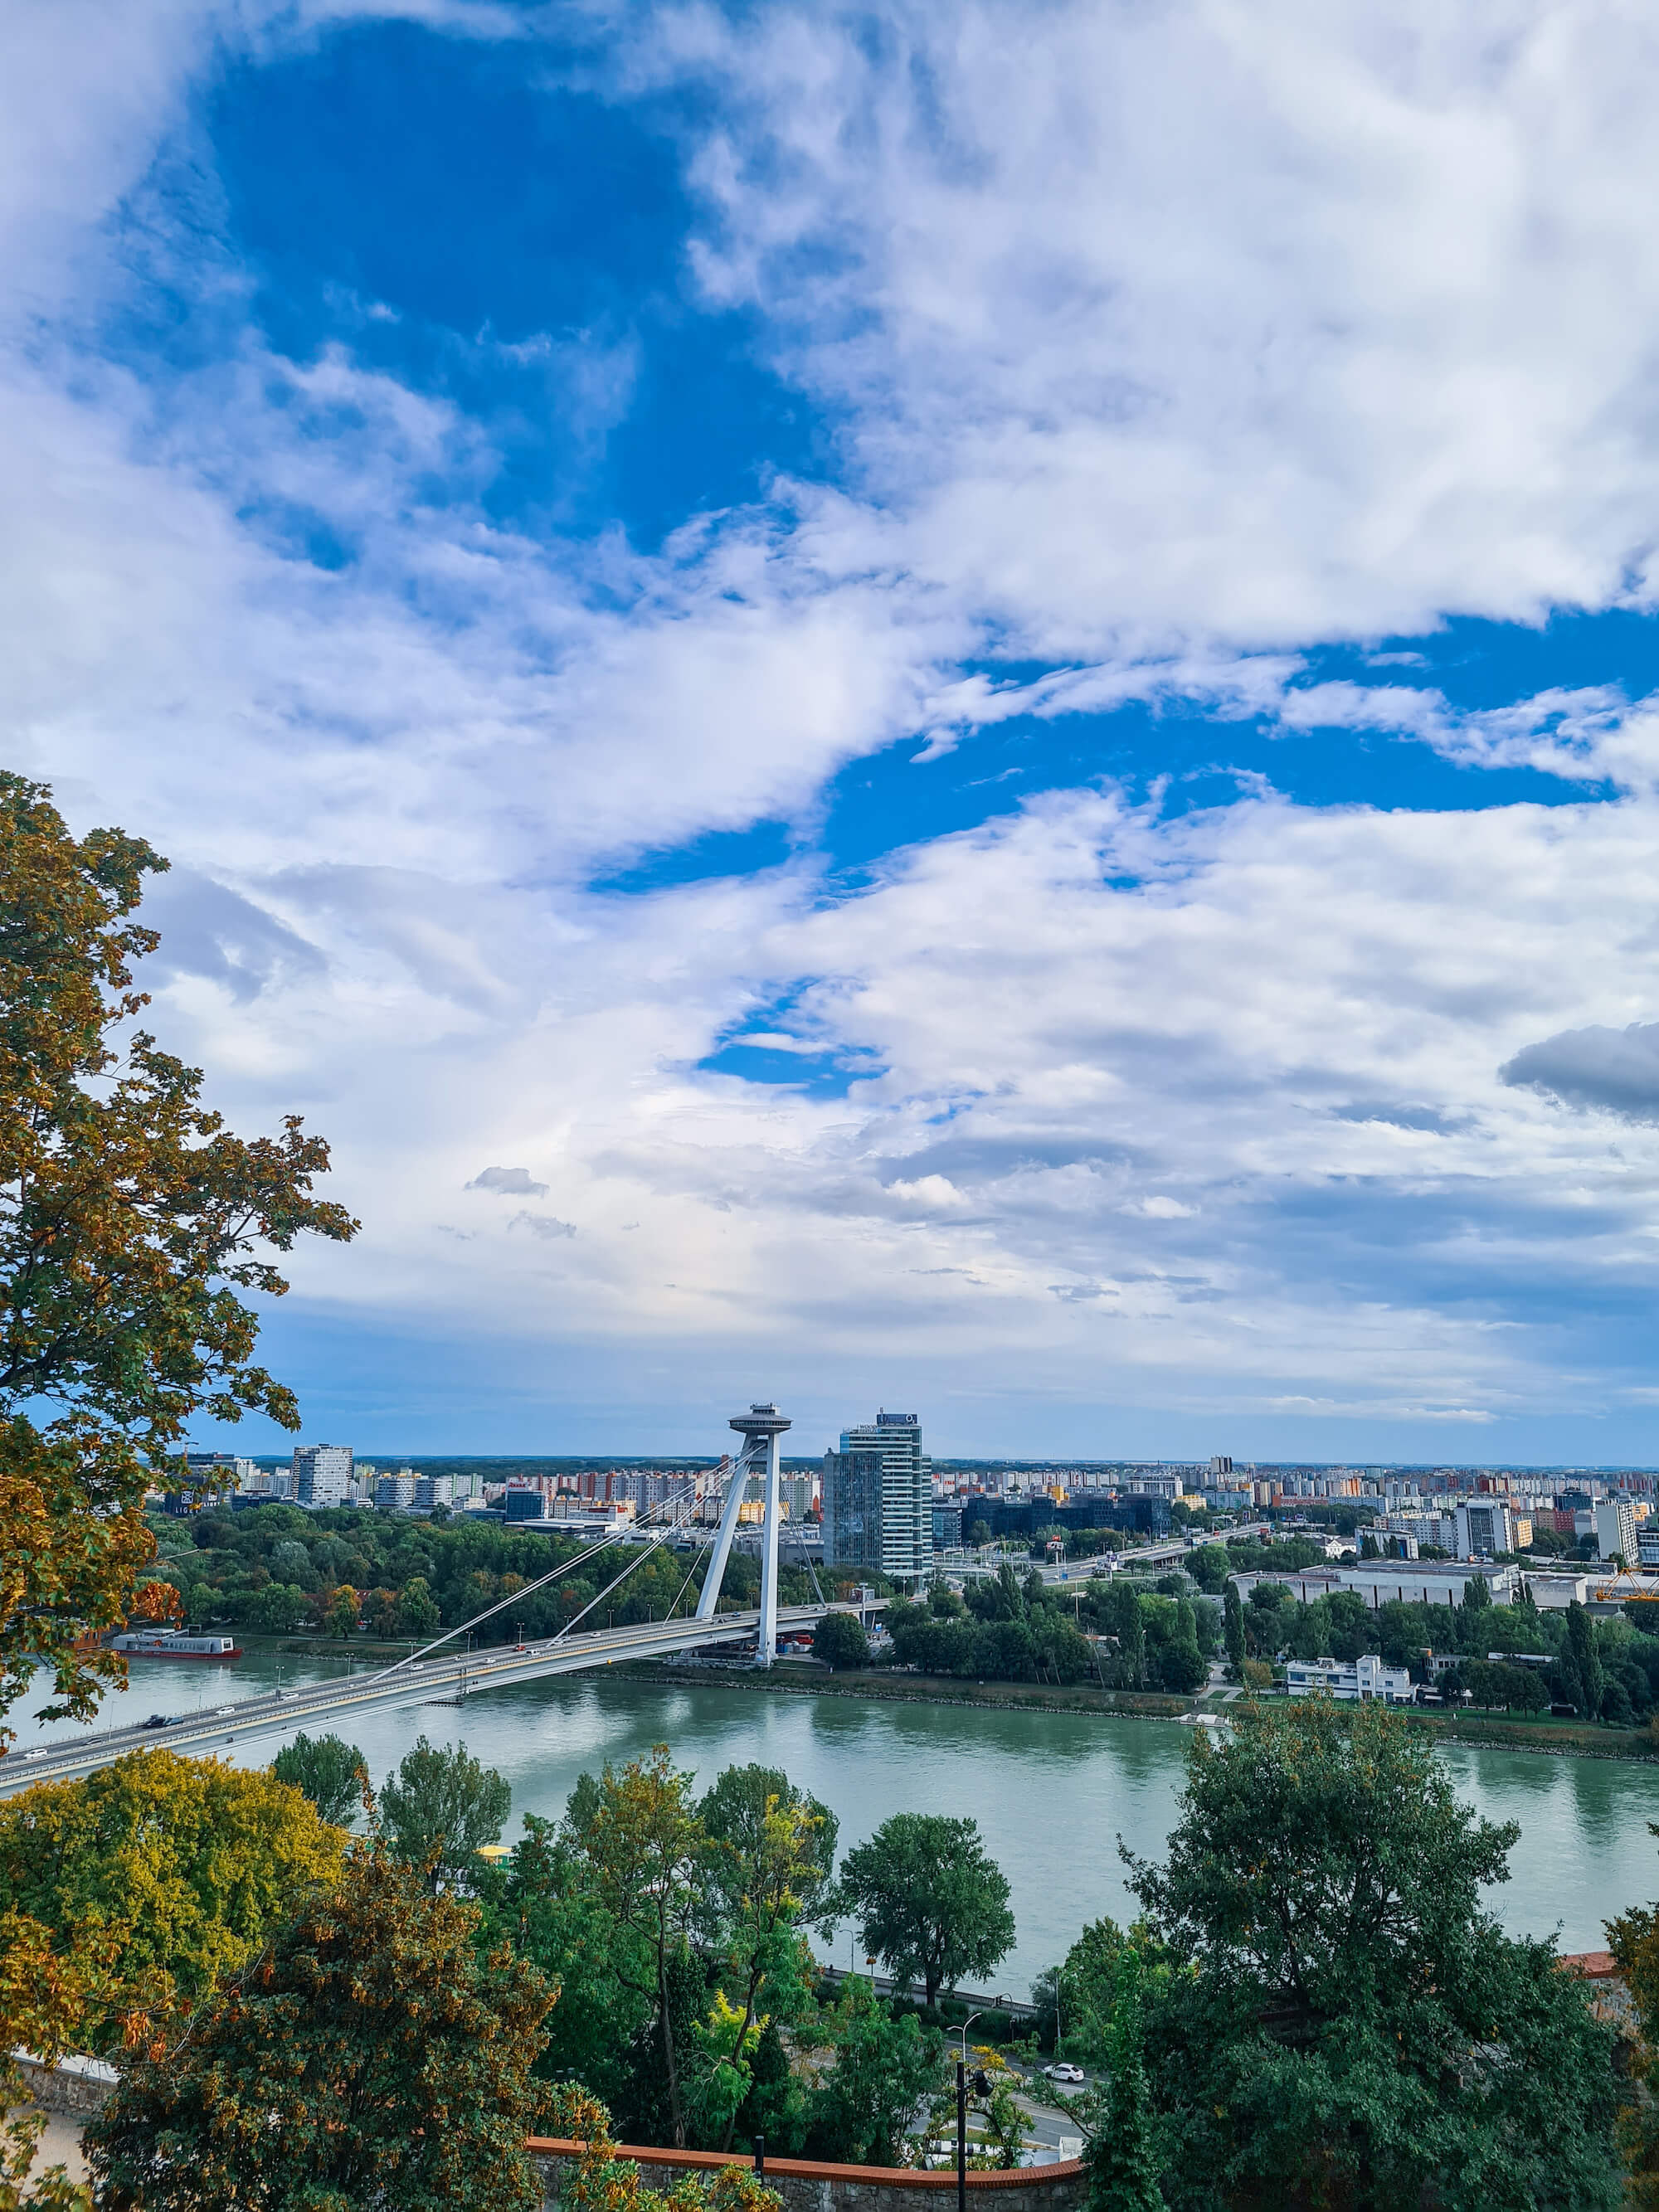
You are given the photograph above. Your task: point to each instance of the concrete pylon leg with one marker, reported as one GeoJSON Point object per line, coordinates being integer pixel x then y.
{"type": "Point", "coordinates": [767, 1648]}
{"type": "Point", "coordinates": [709, 1597]}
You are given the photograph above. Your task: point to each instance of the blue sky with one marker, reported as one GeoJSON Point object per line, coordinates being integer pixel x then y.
{"type": "Point", "coordinates": [977, 680]}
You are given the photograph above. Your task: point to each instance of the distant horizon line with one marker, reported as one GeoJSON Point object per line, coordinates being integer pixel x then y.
{"type": "Point", "coordinates": [1055, 1460]}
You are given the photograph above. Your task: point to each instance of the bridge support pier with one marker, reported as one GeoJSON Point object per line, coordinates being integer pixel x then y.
{"type": "Point", "coordinates": [766, 1649]}
{"type": "Point", "coordinates": [709, 1597]}
{"type": "Point", "coordinates": [759, 1428]}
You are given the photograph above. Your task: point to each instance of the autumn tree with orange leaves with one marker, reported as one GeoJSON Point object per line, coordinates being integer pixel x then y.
{"type": "Point", "coordinates": [130, 1219]}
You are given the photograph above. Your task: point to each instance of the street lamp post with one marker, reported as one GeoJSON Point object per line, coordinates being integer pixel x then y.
{"type": "Point", "coordinates": [962, 2136]}
{"type": "Point", "coordinates": [962, 2113]}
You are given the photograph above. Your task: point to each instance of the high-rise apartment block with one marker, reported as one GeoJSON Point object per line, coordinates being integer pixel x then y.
{"type": "Point", "coordinates": [878, 1499]}
{"type": "Point", "coordinates": [322, 1474]}
{"type": "Point", "coordinates": [1484, 1528]}
{"type": "Point", "coordinates": [1615, 1530]}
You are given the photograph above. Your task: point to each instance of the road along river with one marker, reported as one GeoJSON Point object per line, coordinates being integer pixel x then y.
{"type": "Point", "coordinates": [1051, 1792]}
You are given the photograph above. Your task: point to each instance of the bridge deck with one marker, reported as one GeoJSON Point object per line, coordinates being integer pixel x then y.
{"type": "Point", "coordinates": [323, 1704]}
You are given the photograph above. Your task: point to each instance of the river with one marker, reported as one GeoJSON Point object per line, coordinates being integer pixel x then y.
{"type": "Point", "coordinates": [1051, 1792]}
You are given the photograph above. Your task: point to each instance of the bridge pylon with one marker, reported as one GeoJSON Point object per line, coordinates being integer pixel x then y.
{"type": "Point", "coordinates": [759, 1428]}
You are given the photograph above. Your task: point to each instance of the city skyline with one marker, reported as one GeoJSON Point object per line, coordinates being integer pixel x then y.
{"type": "Point", "coordinates": [871, 725]}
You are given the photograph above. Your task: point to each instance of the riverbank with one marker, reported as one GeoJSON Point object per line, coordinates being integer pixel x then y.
{"type": "Point", "coordinates": [1492, 1731]}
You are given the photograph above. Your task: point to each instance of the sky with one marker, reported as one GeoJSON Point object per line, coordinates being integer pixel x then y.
{"type": "Point", "coordinates": [952, 707]}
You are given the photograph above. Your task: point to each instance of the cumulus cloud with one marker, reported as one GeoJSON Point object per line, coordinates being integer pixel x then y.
{"type": "Point", "coordinates": [1200, 336]}
{"type": "Point", "coordinates": [1255, 323]}
{"type": "Point", "coordinates": [516, 1183]}
{"type": "Point", "coordinates": [1617, 1070]}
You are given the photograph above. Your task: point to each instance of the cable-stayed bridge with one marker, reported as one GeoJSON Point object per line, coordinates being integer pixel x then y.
{"type": "Point", "coordinates": [449, 1677]}
{"type": "Point", "coordinates": [441, 1672]}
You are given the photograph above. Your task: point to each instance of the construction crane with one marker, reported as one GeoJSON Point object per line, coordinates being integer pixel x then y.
{"type": "Point", "coordinates": [1628, 1588]}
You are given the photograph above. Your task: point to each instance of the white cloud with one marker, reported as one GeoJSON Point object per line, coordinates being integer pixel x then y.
{"type": "Point", "coordinates": [1200, 334]}
{"type": "Point", "coordinates": [1258, 322]}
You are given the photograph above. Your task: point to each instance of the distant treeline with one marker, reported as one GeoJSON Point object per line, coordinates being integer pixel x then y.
{"type": "Point", "coordinates": [273, 1569]}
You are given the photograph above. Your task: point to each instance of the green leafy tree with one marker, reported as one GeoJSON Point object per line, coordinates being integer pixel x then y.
{"type": "Point", "coordinates": [371, 2055]}
{"type": "Point", "coordinates": [542, 1901]}
{"type": "Point", "coordinates": [1336, 2019]}
{"type": "Point", "coordinates": [1123, 2159]}
{"type": "Point", "coordinates": [1075, 2000]}
{"type": "Point", "coordinates": [439, 1806]}
{"type": "Point", "coordinates": [1633, 1938]}
{"type": "Point", "coordinates": [1586, 1659]}
{"type": "Point", "coordinates": [885, 2071]}
{"type": "Point", "coordinates": [275, 1610]}
{"type": "Point", "coordinates": [417, 1609]}
{"type": "Point", "coordinates": [130, 1219]}
{"type": "Point", "coordinates": [768, 1869]}
{"type": "Point", "coordinates": [644, 1849]}
{"type": "Point", "coordinates": [1233, 1630]}
{"type": "Point", "coordinates": [1209, 1567]}
{"type": "Point", "coordinates": [928, 1901]}
{"type": "Point", "coordinates": [291, 1562]}
{"type": "Point", "coordinates": [332, 1772]}
{"type": "Point", "coordinates": [776, 2104]}
{"type": "Point", "coordinates": [1125, 1621]}
{"type": "Point", "coordinates": [1181, 1665]}
{"type": "Point", "coordinates": [840, 1641]}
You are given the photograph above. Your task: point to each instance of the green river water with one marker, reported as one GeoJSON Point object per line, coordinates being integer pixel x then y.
{"type": "Point", "coordinates": [1051, 1792]}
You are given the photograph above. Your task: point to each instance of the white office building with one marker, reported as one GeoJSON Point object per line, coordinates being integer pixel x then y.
{"type": "Point", "coordinates": [263, 1482]}
{"type": "Point", "coordinates": [1156, 1485]}
{"type": "Point", "coordinates": [432, 1490]}
{"type": "Point", "coordinates": [1615, 1530]}
{"type": "Point", "coordinates": [878, 1499]}
{"type": "Point", "coordinates": [322, 1474]}
{"type": "Point", "coordinates": [1486, 1527]}
{"type": "Point", "coordinates": [1365, 1679]}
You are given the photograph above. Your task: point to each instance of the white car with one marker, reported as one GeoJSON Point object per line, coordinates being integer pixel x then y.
{"type": "Point", "coordinates": [1065, 2071]}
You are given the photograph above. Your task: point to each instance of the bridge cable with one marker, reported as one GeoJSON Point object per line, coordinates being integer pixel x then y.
{"type": "Point", "coordinates": [515, 1597]}
{"type": "Point", "coordinates": [656, 1546]}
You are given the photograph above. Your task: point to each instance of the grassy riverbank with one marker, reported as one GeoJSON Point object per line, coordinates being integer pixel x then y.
{"type": "Point", "coordinates": [1498, 1731]}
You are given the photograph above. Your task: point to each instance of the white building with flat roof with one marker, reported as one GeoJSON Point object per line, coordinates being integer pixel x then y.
{"type": "Point", "coordinates": [322, 1474]}
{"type": "Point", "coordinates": [1615, 1530]}
{"type": "Point", "coordinates": [1364, 1679]}
{"type": "Point", "coordinates": [1485, 1527]}
{"type": "Point", "coordinates": [1433, 1582]}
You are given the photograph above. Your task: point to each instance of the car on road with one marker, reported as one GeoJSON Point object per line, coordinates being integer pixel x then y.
{"type": "Point", "coordinates": [157, 1720]}
{"type": "Point", "coordinates": [1065, 2071]}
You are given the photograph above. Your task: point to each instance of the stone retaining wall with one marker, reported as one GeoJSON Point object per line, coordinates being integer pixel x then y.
{"type": "Point", "coordinates": [807, 2185]}
{"type": "Point", "coordinates": [77, 2087]}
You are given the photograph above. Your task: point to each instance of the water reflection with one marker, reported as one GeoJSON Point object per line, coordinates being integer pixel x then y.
{"type": "Point", "coordinates": [1051, 1791]}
